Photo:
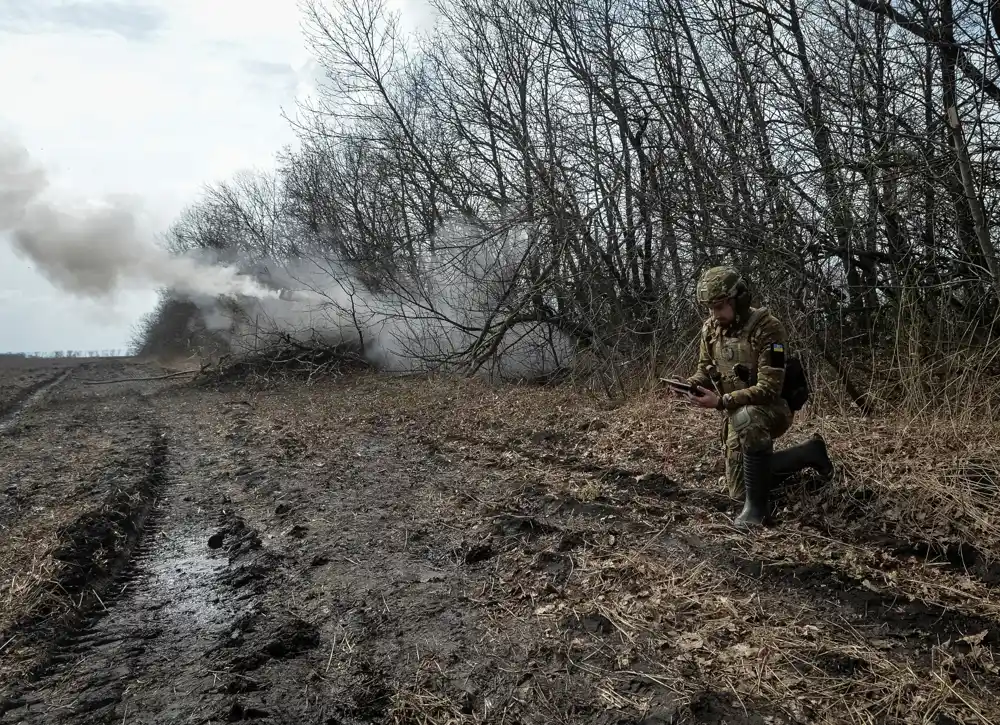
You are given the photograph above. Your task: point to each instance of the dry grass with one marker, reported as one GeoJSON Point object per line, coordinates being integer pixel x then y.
{"type": "Point", "coordinates": [30, 588]}
{"type": "Point", "coordinates": [934, 479]}
{"type": "Point", "coordinates": [924, 479]}
{"type": "Point", "coordinates": [688, 626]}
{"type": "Point", "coordinates": [626, 595]}
{"type": "Point", "coordinates": [677, 612]}
{"type": "Point", "coordinates": [55, 475]}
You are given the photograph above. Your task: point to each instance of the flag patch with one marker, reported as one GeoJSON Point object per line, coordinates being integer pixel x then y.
{"type": "Point", "coordinates": [777, 355]}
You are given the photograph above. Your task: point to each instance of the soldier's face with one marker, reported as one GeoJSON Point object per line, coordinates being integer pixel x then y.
{"type": "Point", "coordinates": [723, 312]}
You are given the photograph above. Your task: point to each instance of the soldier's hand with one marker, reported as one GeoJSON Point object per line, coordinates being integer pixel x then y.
{"type": "Point", "coordinates": [706, 399]}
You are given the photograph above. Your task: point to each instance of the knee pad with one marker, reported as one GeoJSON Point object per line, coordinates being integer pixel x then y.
{"type": "Point", "coordinates": [753, 433]}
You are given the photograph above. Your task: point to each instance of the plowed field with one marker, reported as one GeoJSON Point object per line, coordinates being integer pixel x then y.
{"type": "Point", "coordinates": [376, 549]}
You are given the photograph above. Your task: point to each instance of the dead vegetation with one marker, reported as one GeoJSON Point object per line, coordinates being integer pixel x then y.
{"type": "Point", "coordinates": [69, 485]}
{"type": "Point", "coordinates": [585, 542]}
{"type": "Point", "coordinates": [608, 549]}
{"type": "Point", "coordinates": [285, 362]}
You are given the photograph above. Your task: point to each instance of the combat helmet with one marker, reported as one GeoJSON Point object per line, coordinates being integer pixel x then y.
{"type": "Point", "coordinates": [724, 282]}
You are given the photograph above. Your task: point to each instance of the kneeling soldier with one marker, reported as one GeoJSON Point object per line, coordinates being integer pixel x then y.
{"type": "Point", "coordinates": [741, 371]}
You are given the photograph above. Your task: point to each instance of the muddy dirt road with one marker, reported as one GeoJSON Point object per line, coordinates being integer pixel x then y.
{"type": "Point", "coordinates": [395, 550]}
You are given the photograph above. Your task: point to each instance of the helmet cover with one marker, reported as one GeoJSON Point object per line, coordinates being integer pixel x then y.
{"type": "Point", "coordinates": [719, 283]}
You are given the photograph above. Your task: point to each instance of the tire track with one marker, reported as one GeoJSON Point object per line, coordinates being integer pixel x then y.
{"type": "Point", "coordinates": [542, 512]}
{"type": "Point", "coordinates": [861, 626]}
{"type": "Point", "coordinates": [149, 651]}
{"type": "Point", "coordinates": [31, 396]}
{"type": "Point", "coordinates": [98, 556]}
{"type": "Point", "coordinates": [913, 629]}
{"type": "Point", "coordinates": [653, 495]}
{"type": "Point", "coordinates": [861, 505]}
{"type": "Point", "coordinates": [169, 625]}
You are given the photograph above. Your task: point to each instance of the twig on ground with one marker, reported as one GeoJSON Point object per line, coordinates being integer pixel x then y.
{"type": "Point", "coordinates": [143, 379]}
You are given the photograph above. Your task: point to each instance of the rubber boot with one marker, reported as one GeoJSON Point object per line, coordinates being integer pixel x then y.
{"type": "Point", "coordinates": [757, 481]}
{"type": "Point", "coordinates": [811, 454]}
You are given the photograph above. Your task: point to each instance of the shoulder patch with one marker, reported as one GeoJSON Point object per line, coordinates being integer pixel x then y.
{"type": "Point", "coordinates": [777, 355]}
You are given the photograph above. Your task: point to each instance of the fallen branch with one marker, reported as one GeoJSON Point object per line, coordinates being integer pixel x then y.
{"type": "Point", "coordinates": [134, 380]}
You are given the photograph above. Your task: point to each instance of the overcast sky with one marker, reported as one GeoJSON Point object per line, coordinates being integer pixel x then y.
{"type": "Point", "coordinates": [151, 98]}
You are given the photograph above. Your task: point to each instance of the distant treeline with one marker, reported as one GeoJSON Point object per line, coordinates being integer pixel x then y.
{"type": "Point", "coordinates": [65, 353]}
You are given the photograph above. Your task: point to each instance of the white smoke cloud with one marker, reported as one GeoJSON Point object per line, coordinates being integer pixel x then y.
{"type": "Point", "coordinates": [430, 320]}
{"type": "Point", "coordinates": [97, 248]}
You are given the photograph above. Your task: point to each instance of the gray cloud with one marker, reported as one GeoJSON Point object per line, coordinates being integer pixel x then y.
{"type": "Point", "coordinates": [267, 75]}
{"type": "Point", "coordinates": [130, 19]}
{"type": "Point", "coordinates": [266, 67]}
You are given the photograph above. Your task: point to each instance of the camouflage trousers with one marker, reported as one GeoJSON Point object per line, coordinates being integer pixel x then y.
{"type": "Point", "coordinates": [753, 428]}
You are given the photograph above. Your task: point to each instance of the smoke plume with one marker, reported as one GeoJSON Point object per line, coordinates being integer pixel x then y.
{"type": "Point", "coordinates": [447, 311]}
{"type": "Point", "coordinates": [445, 315]}
{"type": "Point", "coordinates": [97, 249]}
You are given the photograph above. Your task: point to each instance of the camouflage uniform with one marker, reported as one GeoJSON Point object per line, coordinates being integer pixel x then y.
{"type": "Point", "coordinates": [756, 415]}
{"type": "Point", "coordinates": [744, 363]}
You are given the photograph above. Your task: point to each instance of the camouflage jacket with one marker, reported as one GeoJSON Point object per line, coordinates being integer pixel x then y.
{"type": "Point", "coordinates": [756, 344]}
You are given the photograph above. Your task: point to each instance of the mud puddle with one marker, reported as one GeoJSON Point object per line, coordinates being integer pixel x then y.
{"type": "Point", "coordinates": [182, 575]}
{"type": "Point", "coordinates": [147, 637]}
{"type": "Point", "coordinates": [165, 614]}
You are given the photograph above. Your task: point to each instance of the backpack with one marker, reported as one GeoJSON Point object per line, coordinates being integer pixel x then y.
{"type": "Point", "coordinates": [795, 387]}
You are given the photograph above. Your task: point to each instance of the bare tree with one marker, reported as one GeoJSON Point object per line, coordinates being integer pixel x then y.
{"type": "Point", "coordinates": [841, 154]}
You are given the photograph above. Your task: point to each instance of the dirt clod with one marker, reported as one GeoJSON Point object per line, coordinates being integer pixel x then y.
{"type": "Point", "coordinates": [239, 713]}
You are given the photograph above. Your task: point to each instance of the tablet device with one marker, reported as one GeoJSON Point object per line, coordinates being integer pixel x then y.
{"type": "Point", "coordinates": [681, 386]}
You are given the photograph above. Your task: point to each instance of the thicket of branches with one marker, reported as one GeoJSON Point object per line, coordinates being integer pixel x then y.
{"type": "Point", "coordinates": [843, 154]}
